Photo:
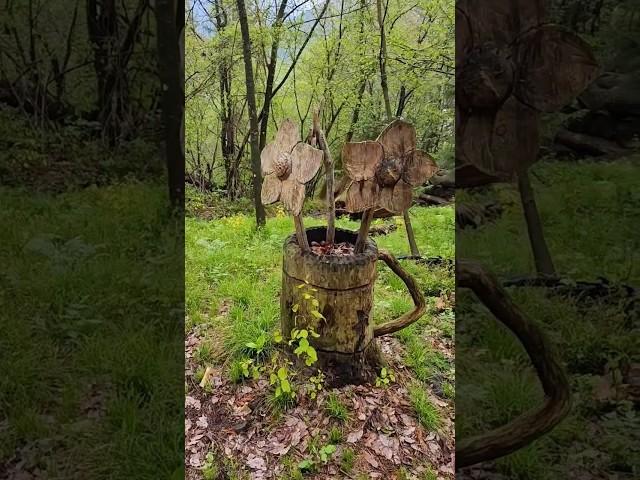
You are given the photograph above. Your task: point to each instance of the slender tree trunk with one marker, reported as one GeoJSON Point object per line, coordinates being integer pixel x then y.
{"type": "Point", "coordinates": [541, 255]}
{"type": "Point", "coordinates": [410, 235]}
{"type": "Point", "coordinates": [382, 57]}
{"type": "Point", "coordinates": [271, 74]}
{"type": "Point", "coordinates": [170, 25]}
{"type": "Point", "coordinates": [356, 111]}
{"type": "Point", "coordinates": [253, 113]}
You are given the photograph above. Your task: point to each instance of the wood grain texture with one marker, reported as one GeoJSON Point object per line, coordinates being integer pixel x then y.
{"type": "Point", "coordinates": [344, 292]}
{"type": "Point", "coordinates": [555, 66]}
{"type": "Point", "coordinates": [418, 168]}
{"type": "Point", "coordinates": [398, 138]}
{"type": "Point", "coordinates": [361, 159]}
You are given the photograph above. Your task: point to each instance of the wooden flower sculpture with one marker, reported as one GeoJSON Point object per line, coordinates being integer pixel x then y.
{"type": "Point", "coordinates": [287, 164]}
{"type": "Point", "coordinates": [383, 173]}
{"type": "Point", "coordinates": [510, 66]}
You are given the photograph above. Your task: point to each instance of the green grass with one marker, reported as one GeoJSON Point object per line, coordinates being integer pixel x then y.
{"type": "Point", "coordinates": [587, 210]}
{"type": "Point", "coordinates": [233, 272]}
{"type": "Point", "coordinates": [335, 435]}
{"type": "Point", "coordinates": [88, 315]}
{"type": "Point", "coordinates": [347, 460]}
{"type": "Point", "coordinates": [426, 412]}
{"type": "Point", "coordinates": [336, 409]}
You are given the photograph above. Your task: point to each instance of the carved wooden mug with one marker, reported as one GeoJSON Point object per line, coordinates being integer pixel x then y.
{"type": "Point", "coordinates": [343, 288]}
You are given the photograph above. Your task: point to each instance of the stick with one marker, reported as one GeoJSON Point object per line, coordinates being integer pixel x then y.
{"type": "Point", "coordinates": [328, 168]}
{"type": "Point", "coordinates": [412, 239]}
{"type": "Point", "coordinates": [301, 234]}
{"type": "Point", "coordinates": [205, 377]}
{"type": "Point", "coordinates": [365, 223]}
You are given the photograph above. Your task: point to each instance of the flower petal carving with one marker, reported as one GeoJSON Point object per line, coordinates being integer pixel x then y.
{"type": "Point", "coordinates": [288, 136]}
{"type": "Point", "coordinates": [419, 168]}
{"type": "Point", "coordinates": [268, 156]}
{"type": "Point", "coordinates": [292, 195]}
{"type": "Point", "coordinates": [555, 66]}
{"type": "Point", "coordinates": [398, 138]}
{"type": "Point", "coordinates": [361, 159]}
{"type": "Point", "coordinates": [362, 195]}
{"type": "Point", "coordinates": [306, 162]}
{"type": "Point", "coordinates": [396, 199]}
{"type": "Point", "coordinates": [271, 188]}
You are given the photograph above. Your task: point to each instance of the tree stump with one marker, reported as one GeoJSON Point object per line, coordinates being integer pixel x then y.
{"type": "Point", "coordinates": [343, 287]}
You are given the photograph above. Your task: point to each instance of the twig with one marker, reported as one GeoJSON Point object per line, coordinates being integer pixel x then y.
{"type": "Point", "coordinates": [328, 168]}
{"type": "Point", "coordinates": [301, 234]}
{"type": "Point", "coordinates": [365, 223]}
{"type": "Point", "coordinates": [412, 239]}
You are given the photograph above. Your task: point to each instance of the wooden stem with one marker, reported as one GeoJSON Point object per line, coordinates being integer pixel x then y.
{"type": "Point", "coordinates": [329, 172]}
{"type": "Point", "coordinates": [363, 233]}
{"type": "Point", "coordinates": [538, 421]}
{"type": "Point", "coordinates": [410, 235]}
{"type": "Point", "coordinates": [301, 234]}
{"type": "Point", "coordinates": [541, 254]}
{"type": "Point", "coordinates": [417, 296]}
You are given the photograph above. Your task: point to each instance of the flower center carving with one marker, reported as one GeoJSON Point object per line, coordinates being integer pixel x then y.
{"type": "Point", "coordinates": [389, 171]}
{"type": "Point", "coordinates": [282, 165]}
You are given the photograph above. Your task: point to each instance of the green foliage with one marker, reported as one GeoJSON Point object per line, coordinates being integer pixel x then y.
{"type": "Point", "coordinates": [326, 452]}
{"type": "Point", "coordinates": [300, 338]}
{"type": "Point", "coordinates": [335, 435]}
{"type": "Point", "coordinates": [210, 470]}
{"type": "Point", "coordinates": [244, 368]}
{"type": "Point", "coordinates": [203, 353]}
{"type": "Point", "coordinates": [284, 393]}
{"type": "Point", "coordinates": [316, 384]}
{"type": "Point", "coordinates": [259, 345]}
{"type": "Point", "coordinates": [335, 408]}
{"type": "Point", "coordinates": [336, 62]}
{"type": "Point", "coordinates": [347, 460]}
{"type": "Point", "coordinates": [385, 378]}
{"type": "Point", "coordinates": [427, 413]}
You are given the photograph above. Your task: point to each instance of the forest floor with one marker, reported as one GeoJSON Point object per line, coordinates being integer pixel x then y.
{"type": "Point", "coordinates": [235, 426]}
{"type": "Point", "coordinates": [587, 207]}
{"type": "Point", "coordinates": [83, 399]}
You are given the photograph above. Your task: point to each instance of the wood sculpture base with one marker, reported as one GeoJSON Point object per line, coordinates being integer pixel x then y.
{"type": "Point", "coordinates": [343, 288]}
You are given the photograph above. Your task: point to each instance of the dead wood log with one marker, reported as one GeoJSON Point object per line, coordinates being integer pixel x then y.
{"type": "Point", "coordinates": [426, 199]}
{"type": "Point", "coordinates": [587, 144]}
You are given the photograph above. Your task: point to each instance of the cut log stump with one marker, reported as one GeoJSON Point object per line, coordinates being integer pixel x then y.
{"type": "Point", "coordinates": [344, 287]}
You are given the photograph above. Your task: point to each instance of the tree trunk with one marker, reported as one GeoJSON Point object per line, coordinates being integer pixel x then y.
{"type": "Point", "coordinates": [271, 74]}
{"type": "Point", "coordinates": [410, 235]}
{"type": "Point", "coordinates": [541, 255]}
{"type": "Point", "coordinates": [253, 114]}
{"type": "Point", "coordinates": [382, 57]}
{"type": "Point", "coordinates": [344, 294]}
{"type": "Point", "coordinates": [112, 52]}
{"type": "Point", "coordinates": [171, 67]}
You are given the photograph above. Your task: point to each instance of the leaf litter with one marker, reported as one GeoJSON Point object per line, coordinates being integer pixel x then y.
{"type": "Point", "coordinates": [235, 422]}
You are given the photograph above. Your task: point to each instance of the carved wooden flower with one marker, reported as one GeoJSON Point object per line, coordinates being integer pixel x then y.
{"type": "Point", "coordinates": [287, 164]}
{"type": "Point", "coordinates": [383, 173]}
{"type": "Point", "coordinates": [511, 65]}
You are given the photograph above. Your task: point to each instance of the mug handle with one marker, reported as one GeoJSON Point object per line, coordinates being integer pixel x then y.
{"type": "Point", "coordinates": [536, 422]}
{"type": "Point", "coordinates": [418, 298]}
